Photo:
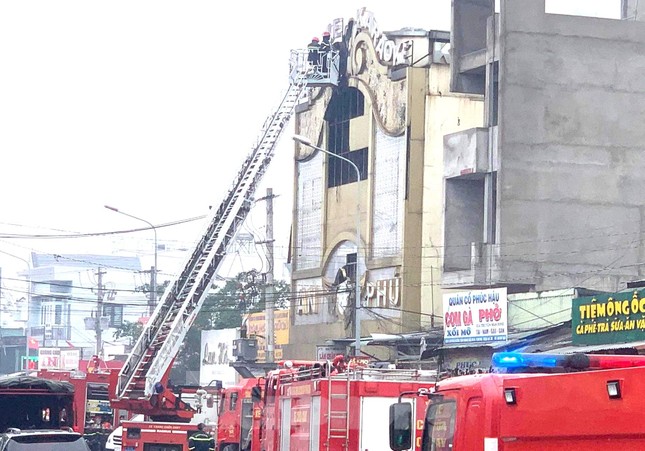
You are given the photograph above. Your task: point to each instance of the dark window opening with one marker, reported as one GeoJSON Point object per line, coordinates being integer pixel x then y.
{"type": "Point", "coordinates": [493, 210]}
{"type": "Point", "coordinates": [464, 211]}
{"type": "Point", "coordinates": [494, 95]}
{"type": "Point", "coordinates": [345, 104]}
{"type": "Point", "coordinates": [341, 172]}
{"type": "Point", "coordinates": [350, 262]}
{"type": "Point", "coordinates": [60, 286]}
{"type": "Point", "coordinates": [407, 163]}
{"type": "Point", "coordinates": [115, 314]}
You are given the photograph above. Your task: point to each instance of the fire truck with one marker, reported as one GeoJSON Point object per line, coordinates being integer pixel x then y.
{"type": "Point", "coordinates": [308, 405]}
{"type": "Point", "coordinates": [532, 402]}
{"type": "Point", "coordinates": [238, 413]}
{"type": "Point", "coordinates": [141, 387]}
{"type": "Point", "coordinates": [28, 402]}
{"type": "Point", "coordinates": [91, 399]}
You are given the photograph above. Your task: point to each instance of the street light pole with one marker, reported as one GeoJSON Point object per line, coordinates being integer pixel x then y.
{"type": "Point", "coordinates": [153, 273]}
{"type": "Point", "coordinates": [357, 288]}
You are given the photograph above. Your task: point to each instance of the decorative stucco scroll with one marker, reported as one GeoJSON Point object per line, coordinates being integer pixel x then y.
{"type": "Point", "coordinates": [388, 97]}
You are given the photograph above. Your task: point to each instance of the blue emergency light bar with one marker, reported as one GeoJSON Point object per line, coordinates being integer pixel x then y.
{"type": "Point", "coordinates": [523, 360]}
{"type": "Point", "coordinates": [518, 360]}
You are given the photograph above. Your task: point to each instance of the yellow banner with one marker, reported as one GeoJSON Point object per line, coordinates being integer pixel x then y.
{"type": "Point", "coordinates": [256, 326]}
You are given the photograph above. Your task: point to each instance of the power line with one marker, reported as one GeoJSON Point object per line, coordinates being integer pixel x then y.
{"type": "Point", "coordinates": [95, 234]}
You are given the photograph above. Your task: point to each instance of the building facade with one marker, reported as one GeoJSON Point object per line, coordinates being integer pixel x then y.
{"type": "Point", "coordinates": [378, 219]}
{"type": "Point", "coordinates": [65, 294]}
{"type": "Point", "coordinates": [549, 193]}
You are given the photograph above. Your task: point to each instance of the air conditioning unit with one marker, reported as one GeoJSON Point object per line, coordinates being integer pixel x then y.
{"type": "Point", "coordinates": [90, 323]}
{"type": "Point", "coordinates": [245, 349]}
{"type": "Point", "coordinates": [105, 322]}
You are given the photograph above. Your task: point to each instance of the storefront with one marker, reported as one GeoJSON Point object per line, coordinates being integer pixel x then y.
{"type": "Point", "coordinates": [608, 323]}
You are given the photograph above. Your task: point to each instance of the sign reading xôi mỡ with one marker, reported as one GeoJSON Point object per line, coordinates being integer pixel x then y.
{"type": "Point", "coordinates": [609, 318]}
{"type": "Point", "coordinates": [475, 316]}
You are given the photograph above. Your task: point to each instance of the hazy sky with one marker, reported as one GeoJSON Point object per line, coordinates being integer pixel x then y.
{"type": "Point", "coordinates": [150, 106]}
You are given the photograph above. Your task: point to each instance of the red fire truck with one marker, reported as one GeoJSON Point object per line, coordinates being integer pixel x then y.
{"type": "Point", "coordinates": [238, 412]}
{"type": "Point", "coordinates": [28, 402]}
{"type": "Point", "coordinates": [91, 399]}
{"type": "Point", "coordinates": [535, 402]}
{"type": "Point", "coordinates": [305, 406]}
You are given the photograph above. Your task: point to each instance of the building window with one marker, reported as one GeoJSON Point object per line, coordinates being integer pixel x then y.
{"type": "Point", "coordinates": [115, 314]}
{"type": "Point", "coordinates": [350, 262]}
{"type": "Point", "coordinates": [345, 105]}
{"type": "Point", "coordinates": [58, 314]}
{"type": "Point", "coordinates": [494, 95]}
{"type": "Point", "coordinates": [60, 286]}
{"type": "Point", "coordinates": [46, 314]}
{"type": "Point", "coordinates": [464, 199]}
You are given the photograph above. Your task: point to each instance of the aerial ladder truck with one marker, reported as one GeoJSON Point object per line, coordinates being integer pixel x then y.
{"type": "Point", "coordinates": [141, 385]}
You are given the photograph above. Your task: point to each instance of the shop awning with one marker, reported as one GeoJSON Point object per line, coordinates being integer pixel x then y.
{"type": "Point", "coordinates": [595, 348]}
{"type": "Point", "coordinates": [516, 341]}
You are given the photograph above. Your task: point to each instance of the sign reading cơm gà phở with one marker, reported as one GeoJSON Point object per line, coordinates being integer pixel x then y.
{"type": "Point", "coordinates": [609, 318]}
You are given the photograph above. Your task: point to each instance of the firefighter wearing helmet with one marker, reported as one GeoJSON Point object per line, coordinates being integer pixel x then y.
{"type": "Point", "coordinates": [339, 365]}
{"type": "Point", "coordinates": [325, 48]}
{"type": "Point", "coordinates": [314, 55]}
{"type": "Point", "coordinates": [201, 441]}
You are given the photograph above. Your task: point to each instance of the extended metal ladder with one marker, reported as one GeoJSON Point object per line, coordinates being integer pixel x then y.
{"type": "Point", "coordinates": [338, 399]}
{"type": "Point", "coordinates": [164, 332]}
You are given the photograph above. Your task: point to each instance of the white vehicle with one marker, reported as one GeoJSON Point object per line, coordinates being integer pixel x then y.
{"type": "Point", "coordinates": [114, 439]}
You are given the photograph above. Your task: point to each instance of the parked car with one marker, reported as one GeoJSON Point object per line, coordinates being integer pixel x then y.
{"type": "Point", "coordinates": [113, 442]}
{"type": "Point", "coordinates": [42, 440]}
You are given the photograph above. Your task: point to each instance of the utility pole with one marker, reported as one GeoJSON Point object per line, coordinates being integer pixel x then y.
{"type": "Point", "coordinates": [269, 289]}
{"type": "Point", "coordinates": [152, 295]}
{"type": "Point", "coordinates": [99, 313]}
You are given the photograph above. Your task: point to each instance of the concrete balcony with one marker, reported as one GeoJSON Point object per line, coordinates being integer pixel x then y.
{"type": "Point", "coordinates": [466, 153]}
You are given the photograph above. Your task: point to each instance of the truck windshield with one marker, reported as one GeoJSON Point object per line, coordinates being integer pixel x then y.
{"type": "Point", "coordinates": [222, 404]}
{"type": "Point", "coordinates": [439, 427]}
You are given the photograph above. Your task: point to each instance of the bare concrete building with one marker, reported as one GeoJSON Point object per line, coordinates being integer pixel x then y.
{"type": "Point", "coordinates": [550, 192]}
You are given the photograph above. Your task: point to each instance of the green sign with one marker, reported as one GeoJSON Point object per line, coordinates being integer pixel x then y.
{"type": "Point", "coordinates": [609, 318]}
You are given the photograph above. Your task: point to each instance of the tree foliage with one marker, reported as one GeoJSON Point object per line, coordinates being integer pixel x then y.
{"type": "Point", "coordinates": [130, 329]}
{"type": "Point", "coordinates": [223, 309]}
{"type": "Point", "coordinates": [226, 308]}
{"type": "Point", "coordinates": [134, 329]}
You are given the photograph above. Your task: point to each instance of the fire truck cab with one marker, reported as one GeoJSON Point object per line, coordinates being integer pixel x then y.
{"type": "Point", "coordinates": [235, 431]}
{"type": "Point", "coordinates": [535, 402]}
{"type": "Point", "coordinates": [308, 406]}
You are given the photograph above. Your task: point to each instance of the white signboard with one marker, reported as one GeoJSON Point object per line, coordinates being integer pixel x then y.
{"type": "Point", "coordinates": [475, 316]}
{"type": "Point", "coordinates": [215, 356]}
{"type": "Point", "coordinates": [329, 352]}
{"type": "Point", "coordinates": [69, 359]}
{"type": "Point", "coordinates": [48, 358]}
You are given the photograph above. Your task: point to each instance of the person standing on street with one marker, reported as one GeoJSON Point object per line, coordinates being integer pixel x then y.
{"type": "Point", "coordinates": [201, 441]}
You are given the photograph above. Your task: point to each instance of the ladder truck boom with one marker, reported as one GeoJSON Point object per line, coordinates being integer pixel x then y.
{"type": "Point", "coordinates": [141, 382]}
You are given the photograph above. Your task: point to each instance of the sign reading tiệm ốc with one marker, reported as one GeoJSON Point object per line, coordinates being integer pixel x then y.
{"type": "Point", "coordinates": [608, 318]}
